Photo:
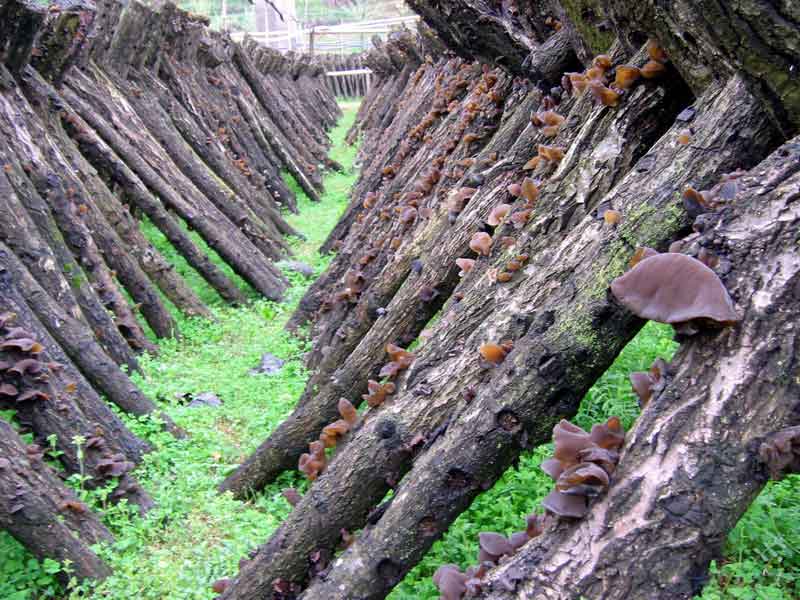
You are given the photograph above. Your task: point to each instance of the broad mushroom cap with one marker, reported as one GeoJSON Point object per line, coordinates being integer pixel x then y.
{"type": "Point", "coordinates": [563, 505]}
{"type": "Point", "coordinates": [674, 288]}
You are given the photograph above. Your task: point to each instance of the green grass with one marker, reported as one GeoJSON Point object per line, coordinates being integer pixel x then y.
{"type": "Point", "coordinates": [195, 536]}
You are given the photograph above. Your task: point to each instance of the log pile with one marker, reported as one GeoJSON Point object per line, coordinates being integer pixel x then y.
{"type": "Point", "coordinates": [110, 114]}
{"type": "Point", "coordinates": [499, 197]}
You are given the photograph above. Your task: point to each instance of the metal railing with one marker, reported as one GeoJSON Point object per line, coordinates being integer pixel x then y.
{"type": "Point", "coordinates": [329, 39]}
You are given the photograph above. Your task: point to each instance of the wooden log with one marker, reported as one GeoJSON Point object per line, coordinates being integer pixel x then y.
{"type": "Point", "coordinates": [34, 237]}
{"type": "Point", "coordinates": [158, 139]}
{"type": "Point", "coordinates": [64, 193]}
{"type": "Point", "coordinates": [727, 393]}
{"type": "Point", "coordinates": [222, 235]}
{"type": "Point", "coordinates": [513, 405]}
{"type": "Point", "coordinates": [43, 514]}
{"type": "Point", "coordinates": [63, 404]}
{"type": "Point", "coordinates": [157, 268]}
{"type": "Point", "coordinates": [79, 344]}
{"type": "Point", "coordinates": [103, 158]}
{"type": "Point", "coordinates": [708, 39]}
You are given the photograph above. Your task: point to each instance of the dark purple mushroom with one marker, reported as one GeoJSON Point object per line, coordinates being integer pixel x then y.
{"type": "Point", "coordinates": [493, 546]}
{"type": "Point", "coordinates": [450, 582]}
{"type": "Point", "coordinates": [563, 505]}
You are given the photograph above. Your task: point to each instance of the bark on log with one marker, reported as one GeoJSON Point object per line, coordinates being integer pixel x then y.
{"type": "Point", "coordinates": [79, 344]}
{"type": "Point", "coordinates": [222, 235]}
{"type": "Point", "coordinates": [33, 236]}
{"type": "Point", "coordinates": [63, 403]}
{"type": "Point", "coordinates": [514, 405]}
{"type": "Point", "coordinates": [136, 192]}
{"type": "Point", "coordinates": [709, 39]}
{"type": "Point", "coordinates": [51, 175]}
{"type": "Point", "coordinates": [43, 514]}
{"type": "Point", "coordinates": [691, 466]}
{"type": "Point", "coordinates": [157, 268]}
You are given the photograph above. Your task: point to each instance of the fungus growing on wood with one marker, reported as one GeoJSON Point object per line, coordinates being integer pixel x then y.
{"type": "Point", "coordinates": [579, 82]}
{"type": "Point", "coordinates": [497, 215]}
{"type": "Point", "coordinates": [408, 216]}
{"type": "Point", "coordinates": [675, 289]}
{"type": "Point", "coordinates": [399, 361]}
{"type": "Point", "coordinates": [481, 243]}
{"type": "Point", "coordinates": [564, 505]}
{"type": "Point", "coordinates": [515, 190]}
{"type": "Point", "coordinates": [347, 411]}
{"type": "Point", "coordinates": [551, 153]}
{"type": "Point", "coordinates": [6, 389]}
{"type": "Point", "coordinates": [581, 465]}
{"type": "Point", "coordinates": [655, 51]}
{"type": "Point", "coordinates": [465, 264]}
{"type": "Point", "coordinates": [626, 76]}
{"type": "Point", "coordinates": [493, 546]}
{"type": "Point", "coordinates": [450, 582]}
{"type": "Point", "coordinates": [530, 191]}
{"type": "Point", "coordinates": [646, 384]}
{"type": "Point", "coordinates": [530, 165]}
{"type": "Point", "coordinates": [780, 451]}
{"type": "Point", "coordinates": [519, 218]}
{"type": "Point", "coordinates": [377, 392]}
{"type": "Point", "coordinates": [504, 277]}
{"type": "Point", "coordinates": [32, 396]}
{"type": "Point", "coordinates": [602, 61]}
{"type": "Point", "coordinates": [22, 345]}
{"type": "Point", "coordinates": [314, 461]}
{"type": "Point", "coordinates": [496, 353]}
{"type": "Point", "coordinates": [331, 433]}
{"type": "Point", "coordinates": [640, 254]}
{"type": "Point", "coordinates": [612, 217]}
{"type": "Point", "coordinates": [653, 69]}
{"type": "Point", "coordinates": [604, 95]}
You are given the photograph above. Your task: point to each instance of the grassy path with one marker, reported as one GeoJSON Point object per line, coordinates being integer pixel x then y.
{"type": "Point", "coordinates": [195, 536]}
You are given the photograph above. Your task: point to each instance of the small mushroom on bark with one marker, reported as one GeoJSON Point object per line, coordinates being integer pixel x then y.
{"type": "Point", "coordinates": [481, 243]}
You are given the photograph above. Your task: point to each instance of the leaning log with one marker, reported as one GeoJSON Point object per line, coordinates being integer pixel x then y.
{"type": "Point", "coordinates": [702, 449]}
{"type": "Point", "coordinates": [43, 514]}
{"type": "Point", "coordinates": [477, 421]}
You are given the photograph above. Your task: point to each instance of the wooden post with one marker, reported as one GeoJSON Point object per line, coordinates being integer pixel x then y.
{"type": "Point", "coordinates": [311, 42]}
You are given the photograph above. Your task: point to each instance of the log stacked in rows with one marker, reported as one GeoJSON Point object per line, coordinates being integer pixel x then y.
{"type": "Point", "coordinates": [499, 198]}
{"type": "Point", "coordinates": [109, 114]}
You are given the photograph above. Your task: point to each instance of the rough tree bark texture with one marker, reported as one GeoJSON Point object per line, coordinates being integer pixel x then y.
{"type": "Point", "coordinates": [106, 113]}
{"type": "Point", "coordinates": [514, 405]}
{"type": "Point", "coordinates": [469, 440]}
{"type": "Point", "coordinates": [69, 407]}
{"type": "Point", "coordinates": [691, 465]}
{"type": "Point", "coordinates": [43, 514]}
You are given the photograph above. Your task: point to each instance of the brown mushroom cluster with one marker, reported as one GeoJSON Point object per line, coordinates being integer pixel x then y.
{"type": "Point", "coordinates": [511, 267]}
{"type": "Point", "coordinates": [314, 461]}
{"type": "Point", "coordinates": [597, 77]}
{"type": "Point", "coordinates": [581, 465]}
{"type": "Point", "coordinates": [354, 283]}
{"type": "Point", "coordinates": [698, 202]}
{"type": "Point", "coordinates": [25, 370]}
{"type": "Point", "coordinates": [494, 548]}
{"type": "Point", "coordinates": [399, 360]}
